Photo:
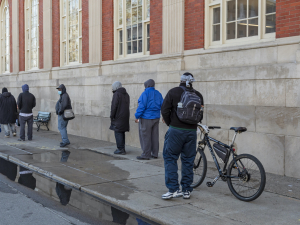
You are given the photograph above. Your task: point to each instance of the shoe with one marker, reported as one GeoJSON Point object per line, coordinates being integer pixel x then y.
{"type": "Point", "coordinates": [142, 158]}
{"type": "Point", "coordinates": [20, 139]}
{"type": "Point", "coordinates": [187, 195]}
{"type": "Point", "coordinates": [64, 145]}
{"type": "Point", "coordinates": [169, 195]}
{"type": "Point", "coordinates": [7, 136]}
{"type": "Point", "coordinates": [14, 134]}
{"type": "Point", "coordinates": [120, 152]}
{"type": "Point", "coordinates": [29, 139]}
{"type": "Point", "coordinates": [153, 157]}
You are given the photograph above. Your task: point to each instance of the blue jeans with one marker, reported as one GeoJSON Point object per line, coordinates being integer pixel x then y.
{"type": "Point", "coordinates": [179, 143]}
{"type": "Point", "coordinates": [120, 140]}
{"type": "Point", "coordinates": [8, 127]}
{"type": "Point", "coordinates": [62, 127]}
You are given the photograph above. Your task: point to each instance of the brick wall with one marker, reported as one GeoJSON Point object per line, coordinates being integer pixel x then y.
{"type": "Point", "coordinates": [287, 18]}
{"type": "Point", "coordinates": [85, 31]}
{"type": "Point", "coordinates": [107, 30]}
{"type": "Point", "coordinates": [41, 36]}
{"type": "Point", "coordinates": [55, 34]}
{"type": "Point", "coordinates": [194, 24]}
{"type": "Point", "coordinates": [156, 9]}
{"type": "Point", "coordinates": [21, 36]}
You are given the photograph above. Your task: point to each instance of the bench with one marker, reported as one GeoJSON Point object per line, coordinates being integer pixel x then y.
{"type": "Point", "coordinates": [42, 119]}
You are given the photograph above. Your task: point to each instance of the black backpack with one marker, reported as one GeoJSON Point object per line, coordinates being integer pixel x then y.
{"type": "Point", "coordinates": [191, 111]}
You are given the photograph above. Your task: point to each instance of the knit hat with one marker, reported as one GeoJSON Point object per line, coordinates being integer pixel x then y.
{"type": "Point", "coordinates": [116, 85]}
{"type": "Point", "coordinates": [187, 78]}
{"type": "Point", "coordinates": [4, 90]}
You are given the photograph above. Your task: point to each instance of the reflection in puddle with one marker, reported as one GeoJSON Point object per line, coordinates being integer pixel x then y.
{"type": "Point", "coordinates": [26, 178]}
{"type": "Point", "coordinates": [65, 155]}
{"type": "Point", "coordinates": [63, 193]}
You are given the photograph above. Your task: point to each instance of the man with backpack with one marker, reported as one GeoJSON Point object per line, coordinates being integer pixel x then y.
{"type": "Point", "coordinates": [182, 109]}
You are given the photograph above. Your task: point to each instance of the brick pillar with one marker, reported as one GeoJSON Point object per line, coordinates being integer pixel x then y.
{"type": "Point", "coordinates": [41, 35]}
{"type": "Point", "coordinates": [107, 30]}
{"type": "Point", "coordinates": [85, 31]}
{"type": "Point", "coordinates": [287, 18]}
{"type": "Point", "coordinates": [10, 31]}
{"type": "Point", "coordinates": [21, 36]}
{"type": "Point", "coordinates": [194, 24]}
{"type": "Point", "coordinates": [55, 33]}
{"type": "Point", "coordinates": [156, 9]}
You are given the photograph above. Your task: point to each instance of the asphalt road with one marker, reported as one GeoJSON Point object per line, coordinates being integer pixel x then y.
{"type": "Point", "coordinates": [23, 206]}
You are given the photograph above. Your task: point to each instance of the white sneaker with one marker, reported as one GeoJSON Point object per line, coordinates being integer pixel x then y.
{"type": "Point", "coordinates": [14, 134]}
{"type": "Point", "coordinates": [170, 195]}
{"type": "Point", "coordinates": [187, 195]}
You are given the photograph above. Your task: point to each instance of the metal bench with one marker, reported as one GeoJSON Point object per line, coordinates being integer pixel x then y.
{"type": "Point", "coordinates": [42, 119]}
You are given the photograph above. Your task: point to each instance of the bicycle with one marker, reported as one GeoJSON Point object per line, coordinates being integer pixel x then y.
{"type": "Point", "coordinates": [241, 169]}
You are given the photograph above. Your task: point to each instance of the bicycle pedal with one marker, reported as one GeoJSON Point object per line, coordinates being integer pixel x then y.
{"type": "Point", "coordinates": [209, 184]}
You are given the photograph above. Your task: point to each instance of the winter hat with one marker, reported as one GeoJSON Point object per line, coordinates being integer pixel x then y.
{"type": "Point", "coordinates": [116, 85]}
{"type": "Point", "coordinates": [4, 90]}
{"type": "Point", "coordinates": [187, 78]}
{"type": "Point", "coordinates": [149, 83]}
{"type": "Point", "coordinates": [25, 88]}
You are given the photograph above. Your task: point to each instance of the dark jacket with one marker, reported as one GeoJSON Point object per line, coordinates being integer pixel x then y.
{"type": "Point", "coordinates": [64, 101]}
{"type": "Point", "coordinates": [120, 111]}
{"type": "Point", "coordinates": [8, 108]}
{"type": "Point", "coordinates": [169, 108]}
{"type": "Point", "coordinates": [26, 100]}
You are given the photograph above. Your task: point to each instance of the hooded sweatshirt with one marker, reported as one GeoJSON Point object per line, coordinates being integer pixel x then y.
{"type": "Point", "coordinates": [8, 107]}
{"type": "Point", "coordinates": [64, 101]}
{"type": "Point", "coordinates": [26, 101]}
{"type": "Point", "coordinates": [149, 102]}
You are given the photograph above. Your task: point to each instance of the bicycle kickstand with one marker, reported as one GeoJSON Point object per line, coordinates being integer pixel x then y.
{"type": "Point", "coordinates": [211, 184]}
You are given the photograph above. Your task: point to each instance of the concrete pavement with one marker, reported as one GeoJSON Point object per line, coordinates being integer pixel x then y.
{"type": "Point", "coordinates": [136, 186]}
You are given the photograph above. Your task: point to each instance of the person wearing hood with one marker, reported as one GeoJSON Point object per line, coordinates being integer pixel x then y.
{"type": "Point", "coordinates": [26, 102]}
{"type": "Point", "coordinates": [148, 116]}
{"type": "Point", "coordinates": [8, 112]}
{"type": "Point", "coordinates": [62, 104]}
{"type": "Point", "coordinates": [119, 115]}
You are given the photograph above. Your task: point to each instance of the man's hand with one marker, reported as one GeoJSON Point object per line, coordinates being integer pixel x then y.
{"type": "Point", "coordinates": [137, 120]}
{"type": "Point", "coordinates": [163, 120]}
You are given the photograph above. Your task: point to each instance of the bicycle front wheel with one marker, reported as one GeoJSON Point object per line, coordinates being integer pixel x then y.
{"type": "Point", "coordinates": [247, 178]}
{"type": "Point", "coordinates": [200, 168]}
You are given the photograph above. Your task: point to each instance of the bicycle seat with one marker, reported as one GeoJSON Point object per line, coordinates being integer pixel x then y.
{"type": "Point", "coordinates": [239, 129]}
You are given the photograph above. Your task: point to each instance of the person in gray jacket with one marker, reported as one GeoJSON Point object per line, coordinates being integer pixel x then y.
{"type": "Point", "coordinates": [62, 104]}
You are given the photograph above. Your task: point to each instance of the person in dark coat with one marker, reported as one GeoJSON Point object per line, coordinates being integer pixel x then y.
{"type": "Point", "coordinates": [26, 102]}
{"type": "Point", "coordinates": [8, 112]}
{"type": "Point", "coordinates": [62, 104]}
{"type": "Point", "coordinates": [119, 115]}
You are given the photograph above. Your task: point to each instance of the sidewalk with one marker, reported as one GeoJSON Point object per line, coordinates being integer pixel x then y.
{"type": "Point", "coordinates": [137, 186]}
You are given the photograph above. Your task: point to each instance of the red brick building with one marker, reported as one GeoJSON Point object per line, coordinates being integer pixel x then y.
{"type": "Point", "coordinates": [244, 55]}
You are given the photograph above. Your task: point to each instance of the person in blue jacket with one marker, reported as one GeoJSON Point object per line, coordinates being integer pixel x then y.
{"type": "Point", "coordinates": [148, 116]}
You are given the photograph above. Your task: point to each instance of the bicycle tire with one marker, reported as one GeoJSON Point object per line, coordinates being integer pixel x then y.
{"type": "Point", "coordinates": [203, 160]}
{"type": "Point", "coordinates": [247, 177]}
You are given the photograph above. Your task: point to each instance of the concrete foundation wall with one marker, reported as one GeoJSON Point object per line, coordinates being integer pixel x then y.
{"type": "Point", "coordinates": [256, 86]}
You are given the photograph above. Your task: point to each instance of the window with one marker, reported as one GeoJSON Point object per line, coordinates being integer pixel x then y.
{"type": "Point", "coordinates": [5, 38]}
{"type": "Point", "coordinates": [132, 28]}
{"type": "Point", "coordinates": [71, 32]}
{"type": "Point", "coordinates": [233, 21]}
{"type": "Point", "coordinates": [32, 34]}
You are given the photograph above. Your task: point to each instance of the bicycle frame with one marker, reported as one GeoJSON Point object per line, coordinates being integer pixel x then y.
{"type": "Point", "coordinates": [206, 141]}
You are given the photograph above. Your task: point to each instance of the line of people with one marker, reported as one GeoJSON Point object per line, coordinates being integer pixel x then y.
{"type": "Point", "coordinates": [181, 110]}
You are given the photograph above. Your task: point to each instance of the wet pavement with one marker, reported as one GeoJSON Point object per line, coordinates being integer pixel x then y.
{"type": "Point", "coordinates": [89, 167]}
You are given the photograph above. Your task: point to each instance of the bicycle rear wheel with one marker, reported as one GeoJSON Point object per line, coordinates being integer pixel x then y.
{"type": "Point", "coordinates": [200, 168]}
{"type": "Point", "coordinates": [248, 184]}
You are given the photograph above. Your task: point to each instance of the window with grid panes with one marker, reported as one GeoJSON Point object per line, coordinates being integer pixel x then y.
{"type": "Point", "coordinates": [238, 20]}
{"type": "Point", "coordinates": [71, 32]}
{"type": "Point", "coordinates": [133, 27]}
{"type": "Point", "coordinates": [5, 37]}
{"type": "Point", "coordinates": [32, 34]}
